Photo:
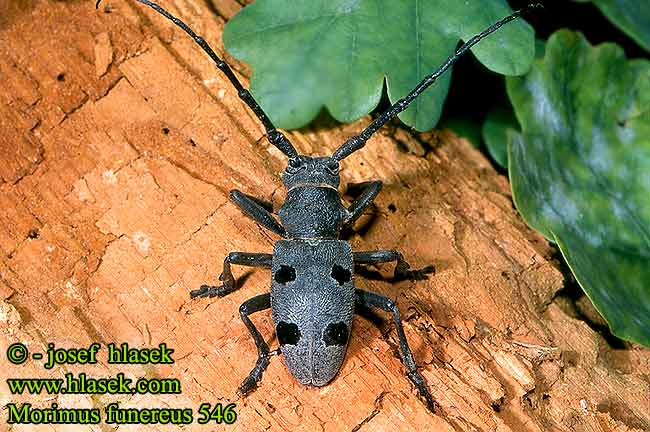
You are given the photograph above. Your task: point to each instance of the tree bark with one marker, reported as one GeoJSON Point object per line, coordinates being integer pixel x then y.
{"type": "Point", "coordinates": [120, 142]}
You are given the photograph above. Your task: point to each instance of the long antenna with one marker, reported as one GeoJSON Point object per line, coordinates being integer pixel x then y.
{"type": "Point", "coordinates": [275, 137]}
{"type": "Point", "coordinates": [359, 141]}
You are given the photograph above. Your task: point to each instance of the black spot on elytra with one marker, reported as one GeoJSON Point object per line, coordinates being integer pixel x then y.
{"type": "Point", "coordinates": [165, 131]}
{"type": "Point", "coordinates": [340, 274]}
{"type": "Point", "coordinates": [336, 334]}
{"type": "Point", "coordinates": [33, 233]}
{"type": "Point", "coordinates": [392, 208]}
{"type": "Point", "coordinates": [60, 77]}
{"type": "Point", "coordinates": [288, 333]}
{"type": "Point", "coordinates": [285, 274]}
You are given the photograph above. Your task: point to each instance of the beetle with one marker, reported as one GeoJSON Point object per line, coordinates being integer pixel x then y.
{"type": "Point", "coordinates": [312, 297]}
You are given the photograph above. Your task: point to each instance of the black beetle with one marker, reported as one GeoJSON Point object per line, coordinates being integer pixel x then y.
{"type": "Point", "coordinates": [312, 296]}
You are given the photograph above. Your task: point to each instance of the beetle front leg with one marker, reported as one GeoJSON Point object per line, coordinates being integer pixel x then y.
{"type": "Point", "coordinates": [364, 200]}
{"type": "Point", "coordinates": [402, 268]}
{"type": "Point", "coordinates": [251, 208]}
{"type": "Point", "coordinates": [255, 304]}
{"type": "Point", "coordinates": [368, 299]}
{"type": "Point", "coordinates": [229, 284]}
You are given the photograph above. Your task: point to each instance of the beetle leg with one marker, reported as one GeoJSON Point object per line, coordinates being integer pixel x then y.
{"type": "Point", "coordinates": [368, 299]}
{"type": "Point", "coordinates": [402, 269]}
{"type": "Point", "coordinates": [362, 202]}
{"type": "Point", "coordinates": [255, 304]}
{"type": "Point", "coordinates": [251, 208]}
{"type": "Point", "coordinates": [229, 283]}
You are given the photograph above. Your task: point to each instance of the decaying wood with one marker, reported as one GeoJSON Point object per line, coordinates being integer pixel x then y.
{"type": "Point", "coordinates": [120, 142]}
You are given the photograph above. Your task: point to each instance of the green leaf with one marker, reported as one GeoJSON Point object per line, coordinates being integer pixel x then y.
{"type": "Point", "coordinates": [501, 119]}
{"type": "Point", "coordinates": [631, 16]}
{"type": "Point", "coordinates": [580, 170]}
{"type": "Point", "coordinates": [465, 127]}
{"type": "Point", "coordinates": [495, 133]}
{"type": "Point", "coordinates": [307, 55]}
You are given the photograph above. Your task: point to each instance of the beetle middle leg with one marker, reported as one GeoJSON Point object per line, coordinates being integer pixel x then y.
{"type": "Point", "coordinates": [402, 268]}
{"type": "Point", "coordinates": [229, 284]}
{"type": "Point", "coordinates": [252, 305]}
{"type": "Point", "coordinates": [372, 300]}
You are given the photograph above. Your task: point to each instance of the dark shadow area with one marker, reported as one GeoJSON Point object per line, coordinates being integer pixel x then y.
{"type": "Point", "coordinates": [362, 226]}
{"type": "Point", "coordinates": [567, 298]}
{"type": "Point", "coordinates": [583, 17]}
{"type": "Point", "coordinates": [412, 275]}
{"type": "Point", "coordinates": [475, 90]}
{"type": "Point", "coordinates": [370, 315]}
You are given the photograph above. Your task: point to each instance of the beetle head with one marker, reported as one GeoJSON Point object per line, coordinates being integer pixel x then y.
{"type": "Point", "coordinates": [304, 171]}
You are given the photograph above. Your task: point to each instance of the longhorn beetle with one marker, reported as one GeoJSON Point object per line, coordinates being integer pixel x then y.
{"type": "Point", "coordinates": [312, 296]}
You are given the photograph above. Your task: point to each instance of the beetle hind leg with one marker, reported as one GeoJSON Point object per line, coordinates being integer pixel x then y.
{"type": "Point", "coordinates": [373, 300]}
{"type": "Point", "coordinates": [250, 306]}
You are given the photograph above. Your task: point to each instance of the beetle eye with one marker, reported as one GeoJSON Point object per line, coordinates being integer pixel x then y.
{"type": "Point", "coordinates": [333, 167]}
{"type": "Point", "coordinates": [340, 274]}
{"type": "Point", "coordinates": [288, 333]}
{"type": "Point", "coordinates": [294, 165]}
{"type": "Point", "coordinates": [336, 334]}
